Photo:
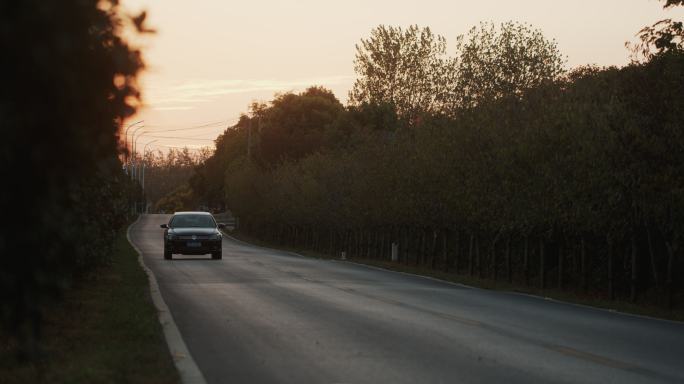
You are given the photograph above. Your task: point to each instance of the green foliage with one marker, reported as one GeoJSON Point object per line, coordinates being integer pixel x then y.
{"type": "Point", "coordinates": [163, 173]}
{"type": "Point", "coordinates": [60, 107]}
{"type": "Point", "coordinates": [293, 127]}
{"type": "Point", "coordinates": [295, 124]}
{"type": "Point", "coordinates": [663, 36]}
{"type": "Point", "coordinates": [402, 68]}
{"type": "Point", "coordinates": [180, 199]}
{"type": "Point", "coordinates": [593, 154]}
{"type": "Point", "coordinates": [493, 64]}
{"type": "Point", "coordinates": [409, 69]}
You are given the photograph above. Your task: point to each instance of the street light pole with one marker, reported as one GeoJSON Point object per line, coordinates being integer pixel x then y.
{"type": "Point", "coordinates": [143, 171]}
{"type": "Point", "coordinates": [135, 145]}
{"type": "Point", "coordinates": [126, 138]}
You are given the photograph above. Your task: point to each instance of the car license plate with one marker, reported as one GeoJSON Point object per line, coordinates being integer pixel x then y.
{"type": "Point", "coordinates": [194, 244]}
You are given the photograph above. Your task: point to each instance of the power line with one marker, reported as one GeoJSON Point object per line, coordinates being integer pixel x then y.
{"type": "Point", "coordinates": [176, 137]}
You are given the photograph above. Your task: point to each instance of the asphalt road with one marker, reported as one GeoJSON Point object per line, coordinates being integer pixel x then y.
{"type": "Point", "coordinates": [265, 316]}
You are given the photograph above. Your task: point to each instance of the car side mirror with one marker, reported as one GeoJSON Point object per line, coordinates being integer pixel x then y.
{"type": "Point", "coordinates": [221, 225]}
{"type": "Point", "coordinates": [164, 225]}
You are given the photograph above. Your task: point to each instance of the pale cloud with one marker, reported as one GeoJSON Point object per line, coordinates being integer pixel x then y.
{"type": "Point", "coordinates": [203, 90]}
{"type": "Point", "coordinates": [173, 108]}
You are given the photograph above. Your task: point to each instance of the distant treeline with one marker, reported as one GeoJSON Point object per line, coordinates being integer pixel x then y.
{"type": "Point", "coordinates": [157, 174]}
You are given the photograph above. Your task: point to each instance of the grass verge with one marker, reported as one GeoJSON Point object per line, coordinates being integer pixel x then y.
{"type": "Point", "coordinates": [644, 307]}
{"type": "Point", "coordinates": [105, 330]}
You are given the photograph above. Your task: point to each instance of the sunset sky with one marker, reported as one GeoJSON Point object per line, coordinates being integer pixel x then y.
{"type": "Point", "coordinates": [210, 58]}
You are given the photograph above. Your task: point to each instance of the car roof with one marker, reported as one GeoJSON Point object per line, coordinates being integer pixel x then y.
{"type": "Point", "coordinates": [192, 213]}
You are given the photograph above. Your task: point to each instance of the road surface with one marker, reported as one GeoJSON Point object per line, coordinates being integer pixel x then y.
{"type": "Point", "coordinates": [265, 316]}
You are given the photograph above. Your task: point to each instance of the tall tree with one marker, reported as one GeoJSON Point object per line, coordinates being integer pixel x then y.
{"type": "Point", "coordinates": [492, 63]}
{"type": "Point", "coordinates": [405, 68]}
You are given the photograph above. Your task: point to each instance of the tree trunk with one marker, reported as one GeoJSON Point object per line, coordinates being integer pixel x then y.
{"type": "Point", "coordinates": [495, 269]}
{"type": "Point", "coordinates": [574, 261]}
{"type": "Point", "coordinates": [332, 237]}
{"type": "Point", "coordinates": [526, 261]}
{"type": "Point", "coordinates": [445, 246]}
{"type": "Point", "coordinates": [376, 247]}
{"type": "Point", "coordinates": [398, 245]}
{"type": "Point", "coordinates": [296, 244]}
{"type": "Point", "coordinates": [422, 248]}
{"type": "Point", "coordinates": [669, 285]}
{"type": "Point", "coordinates": [406, 248]}
{"type": "Point", "coordinates": [433, 253]}
{"type": "Point", "coordinates": [382, 245]}
{"type": "Point", "coordinates": [635, 281]}
{"type": "Point", "coordinates": [470, 255]}
{"type": "Point", "coordinates": [509, 278]}
{"type": "Point", "coordinates": [561, 265]}
{"type": "Point", "coordinates": [542, 268]}
{"type": "Point", "coordinates": [370, 238]}
{"type": "Point", "coordinates": [348, 243]}
{"type": "Point", "coordinates": [306, 237]}
{"type": "Point", "coordinates": [653, 264]}
{"type": "Point", "coordinates": [479, 258]}
{"type": "Point", "coordinates": [417, 248]}
{"type": "Point", "coordinates": [457, 253]}
{"type": "Point", "coordinates": [611, 282]}
{"type": "Point", "coordinates": [585, 280]}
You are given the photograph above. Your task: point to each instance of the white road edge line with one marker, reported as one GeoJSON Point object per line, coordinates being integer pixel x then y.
{"type": "Point", "coordinates": [187, 369]}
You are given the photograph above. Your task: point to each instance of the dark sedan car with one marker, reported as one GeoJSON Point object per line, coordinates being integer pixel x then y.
{"type": "Point", "coordinates": [192, 233]}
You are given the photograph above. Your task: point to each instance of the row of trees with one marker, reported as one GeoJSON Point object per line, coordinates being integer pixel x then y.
{"type": "Point", "coordinates": [409, 68]}
{"type": "Point", "coordinates": [495, 160]}
{"type": "Point", "coordinates": [163, 174]}
{"type": "Point", "coordinates": [293, 126]}
{"type": "Point", "coordinates": [587, 167]}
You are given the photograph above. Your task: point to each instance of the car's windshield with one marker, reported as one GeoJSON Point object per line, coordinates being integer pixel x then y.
{"type": "Point", "coordinates": [192, 221]}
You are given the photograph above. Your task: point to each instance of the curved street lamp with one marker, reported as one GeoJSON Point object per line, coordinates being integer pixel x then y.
{"type": "Point", "coordinates": [143, 167]}
{"type": "Point", "coordinates": [135, 164]}
{"type": "Point", "coordinates": [132, 146]}
{"type": "Point", "coordinates": [126, 137]}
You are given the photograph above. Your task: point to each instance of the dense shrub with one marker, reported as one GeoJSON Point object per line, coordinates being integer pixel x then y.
{"type": "Point", "coordinates": [67, 77]}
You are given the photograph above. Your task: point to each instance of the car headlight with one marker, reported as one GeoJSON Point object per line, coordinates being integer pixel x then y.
{"type": "Point", "coordinates": [173, 236]}
{"type": "Point", "coordinates": [215, 237]}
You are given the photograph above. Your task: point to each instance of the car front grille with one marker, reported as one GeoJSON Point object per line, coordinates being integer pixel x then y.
{"type": "Point", "coordinates": [196, 237]}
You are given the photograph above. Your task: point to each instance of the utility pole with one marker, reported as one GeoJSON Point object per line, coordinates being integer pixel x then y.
{"type": "Point", "coordinates": [249, 141]}
{"type": "Point", "coordinates": [259, 142]}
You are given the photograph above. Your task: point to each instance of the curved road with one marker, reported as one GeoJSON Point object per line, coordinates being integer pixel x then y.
{"type": "Point", "coordinates": [265, 316]}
